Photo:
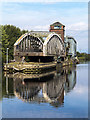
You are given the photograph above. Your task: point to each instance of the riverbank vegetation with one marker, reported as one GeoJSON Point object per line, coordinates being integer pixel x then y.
{"type": "Point", "coordinates": [83, 56]}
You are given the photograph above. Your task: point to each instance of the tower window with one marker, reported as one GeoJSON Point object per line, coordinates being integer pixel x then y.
{"type": "Point", "coordinates": [57, 27]}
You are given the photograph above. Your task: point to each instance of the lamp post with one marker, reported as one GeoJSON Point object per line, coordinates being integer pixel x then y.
{"type": "Point", "coordinates": [7, 56]}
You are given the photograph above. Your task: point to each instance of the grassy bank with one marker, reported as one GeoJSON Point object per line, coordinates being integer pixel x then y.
{"type": "Point", "coordinates": [84, 58]}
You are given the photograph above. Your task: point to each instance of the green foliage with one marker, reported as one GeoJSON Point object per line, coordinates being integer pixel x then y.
{"type": "Point", "coordinates": [8, 36]}
{"type": "Point", "coordinates": [83, 56]}
{"type": "Point", "coordinates": [24, 31]}
{"type": "Point", "coordinates": [4, 43]}
{"type": "Point", "coordinates": [78, 54]}
{"type": "Point", "coordinates": [13, 34]}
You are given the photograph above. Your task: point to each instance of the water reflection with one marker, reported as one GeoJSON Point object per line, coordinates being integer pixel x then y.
{"type": "Point", "coordinates": [47, 87]}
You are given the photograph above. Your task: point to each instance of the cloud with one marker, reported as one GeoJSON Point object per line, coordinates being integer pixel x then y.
{"type": "Point", "coordinates": [81, 90]}
{"type": "Point", "coordinates": [81, 36]}
{"type": "Point", "coordinates": [78, 26]}
{"type": "Point", "coordinates": [79, 31]}
{"type": "Point", "coordinates": [42, 27]}
{"type": "Point", "coordinates": [39, 16]}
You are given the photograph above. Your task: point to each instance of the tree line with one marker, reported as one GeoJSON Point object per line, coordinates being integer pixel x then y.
{"type": "Point", "coordinates": [8, 36]}
{"type": "Point", "coordinates": [83, 56]}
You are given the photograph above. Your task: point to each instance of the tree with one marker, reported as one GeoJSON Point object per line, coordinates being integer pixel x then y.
{"type": "Point", "coordinates": [4, 43]}
{"type": "Point", "coordinates": [24, 31]}
{"type": "Point", "coordinates": [78, 54]}
{"type": "Point", "coordinates": [13, 33]}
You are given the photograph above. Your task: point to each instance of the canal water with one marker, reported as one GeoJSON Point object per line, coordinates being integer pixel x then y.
{"type": "Point", "coordinates": [56, 94]}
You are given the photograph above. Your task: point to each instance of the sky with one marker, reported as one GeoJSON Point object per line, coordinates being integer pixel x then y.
{"type": "Point", "coordinates": [38, 15]}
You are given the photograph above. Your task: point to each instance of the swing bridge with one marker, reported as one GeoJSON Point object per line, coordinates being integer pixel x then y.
{"type": "Point", "coordinates": [39, 45]}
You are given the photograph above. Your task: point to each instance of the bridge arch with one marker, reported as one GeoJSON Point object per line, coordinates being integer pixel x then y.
{"type": "Point", "coordinates": [53, 90]}
{"type": "Point", "coordinates": [33, 45]}
{"type": "Point", "coordinates": [53, 45]}
{"type": "Point", "coordinates": [29, 43]}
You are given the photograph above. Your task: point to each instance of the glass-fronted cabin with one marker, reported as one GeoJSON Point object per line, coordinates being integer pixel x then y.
{"type": "Point", "coordinates": [72, 45]}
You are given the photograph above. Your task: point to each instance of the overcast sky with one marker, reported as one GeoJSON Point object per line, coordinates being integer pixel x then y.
{"type": "Point", "coordinates": [39, 15]}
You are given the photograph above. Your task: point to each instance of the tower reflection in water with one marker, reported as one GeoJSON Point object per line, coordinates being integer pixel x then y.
{"type": "Point", "coordinates": [47, 87]}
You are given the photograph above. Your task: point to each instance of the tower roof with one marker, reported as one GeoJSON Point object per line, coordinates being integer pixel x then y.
{"type": "Point", "coordinates": [57, 24]}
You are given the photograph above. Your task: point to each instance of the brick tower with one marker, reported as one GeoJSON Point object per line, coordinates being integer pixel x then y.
{"type": "Point", "coordinates": [58, 28]}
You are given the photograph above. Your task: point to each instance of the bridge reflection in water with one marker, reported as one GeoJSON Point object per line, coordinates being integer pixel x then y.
{"type": "Point", "coordinates": [47, 87]}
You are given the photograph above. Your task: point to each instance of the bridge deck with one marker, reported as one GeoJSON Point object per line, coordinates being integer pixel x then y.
{"type": "Point", "coordinates": [30, 67]}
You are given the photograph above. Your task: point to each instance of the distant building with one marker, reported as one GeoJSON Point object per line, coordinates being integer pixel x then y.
{"type": "Point", "coordinates": [58, 28]}
{"type": "Point", "coordinates": [72, 45]}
